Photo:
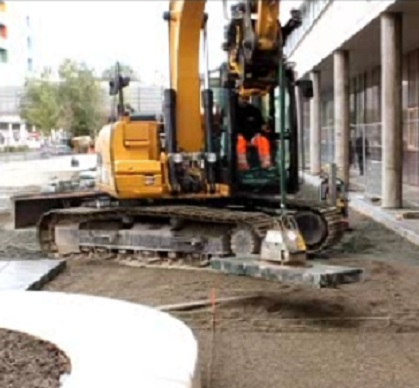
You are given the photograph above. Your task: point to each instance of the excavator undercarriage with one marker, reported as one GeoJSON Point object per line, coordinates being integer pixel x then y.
{"type": "Point", "coordinates": [178, 232]}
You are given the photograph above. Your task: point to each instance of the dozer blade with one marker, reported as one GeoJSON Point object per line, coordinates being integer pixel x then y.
{"type": "Point", "coordinates": [29, 208]}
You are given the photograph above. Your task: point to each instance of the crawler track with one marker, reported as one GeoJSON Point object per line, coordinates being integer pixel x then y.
{"type": "Point", "coordinates": [236, 232]}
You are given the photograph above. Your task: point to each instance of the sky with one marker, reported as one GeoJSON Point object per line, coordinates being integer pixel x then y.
{"type": "Point", "coordinates": [102, 32]}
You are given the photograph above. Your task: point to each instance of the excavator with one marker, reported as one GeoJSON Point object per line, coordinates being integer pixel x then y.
{"type": "Point", "coordinates": [170, 185]}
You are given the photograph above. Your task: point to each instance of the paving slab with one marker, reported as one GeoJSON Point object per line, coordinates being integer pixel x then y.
{"type": "Point", "coordinates": [21, 275]}
{"type": "Point", "coordinates": [313, 274]}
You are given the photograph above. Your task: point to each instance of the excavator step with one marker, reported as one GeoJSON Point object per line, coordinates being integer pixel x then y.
{"type": "Point", "coordinates": [313, 274]}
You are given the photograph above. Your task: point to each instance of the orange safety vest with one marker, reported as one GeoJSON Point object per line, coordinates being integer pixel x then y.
{"type": "Point", "coordinates": [262, 145]}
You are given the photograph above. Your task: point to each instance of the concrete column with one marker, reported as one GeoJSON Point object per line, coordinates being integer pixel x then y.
{"type": "Point", "coordinates": [300, 125]}
{"type": "Point", "coordinates": [341, 113]}
{"type": "Point", "coordinates": [391, 112]}
{"type": "Point", "coordinates": [23, 134]}
{"type": "Point", "coordinates": [10, 138]}
{"type": "Point", "coordinates": [315, 125]}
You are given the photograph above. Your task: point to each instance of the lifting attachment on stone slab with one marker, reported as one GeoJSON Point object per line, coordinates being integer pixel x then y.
{"type": "Point", "coordinates": [283, 258]}
{"type": "Point", "coordinates": [284, 243]}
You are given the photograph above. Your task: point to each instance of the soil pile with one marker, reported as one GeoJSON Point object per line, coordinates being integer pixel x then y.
{"type": "Point", "coordinates": [27, 362]}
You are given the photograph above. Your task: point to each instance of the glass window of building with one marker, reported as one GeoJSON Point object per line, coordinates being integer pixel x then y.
{"type": "Point", "coordinates": [3, 55]}
{"type": "Point", "coordinates": [3, 31]}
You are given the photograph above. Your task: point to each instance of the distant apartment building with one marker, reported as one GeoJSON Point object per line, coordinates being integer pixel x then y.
{"type": "Point", "coordinates": [13, 130]}
{"type": "Point", "coordinates": [16, 63]}
{"type": "Point", "coordinates": [363, 58]}
{"type": "Point", "coordinates": [16, 44]}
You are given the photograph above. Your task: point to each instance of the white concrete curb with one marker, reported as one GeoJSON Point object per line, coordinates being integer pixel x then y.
{"type": "Point", "coordinates": [110, 343]}
{"type": "Point", "coordinates": [387, 219]}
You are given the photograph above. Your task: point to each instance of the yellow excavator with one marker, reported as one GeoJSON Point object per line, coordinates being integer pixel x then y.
{"type": "Point", "coordinates": [171, 186]}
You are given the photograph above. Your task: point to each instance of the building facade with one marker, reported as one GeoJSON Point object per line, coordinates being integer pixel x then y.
{"type": "Point", "coordinates": [16, 44]}
{"type": "Point", "coordinates": [142, 98]}
{"type": "Point", "coordinates": [16, 63]}
{"type": "Point", "coordinates": [13, 130]}
{"type": "Point", "coordinates": [363, 58]}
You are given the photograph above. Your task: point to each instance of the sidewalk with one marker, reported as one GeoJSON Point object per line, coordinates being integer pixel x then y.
{"type": "Point", "coordinates": [410, 193]}
{"type": "Point", "coordinates": [404, 222]}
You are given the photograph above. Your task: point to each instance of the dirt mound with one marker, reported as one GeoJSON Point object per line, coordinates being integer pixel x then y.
{"type": "Point", "coordinates": [27, 362]}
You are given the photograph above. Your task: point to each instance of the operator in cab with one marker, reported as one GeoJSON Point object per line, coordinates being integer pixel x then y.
{"type": "Point", "coordinates": [253, 130]}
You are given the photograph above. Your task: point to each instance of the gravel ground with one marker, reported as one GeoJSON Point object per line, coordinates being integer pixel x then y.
{"type": "Point", "coordinates": [27, 362]}
{"type": "Point", "coordinates": [359, 335]}
{"type": "Point", "coordinates": [363, 334]}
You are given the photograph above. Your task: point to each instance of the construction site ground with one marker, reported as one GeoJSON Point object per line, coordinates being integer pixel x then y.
{"type": "Point", "coordinates": [27, 362]}
{"type": "Point", "coordinates": [364, 334]}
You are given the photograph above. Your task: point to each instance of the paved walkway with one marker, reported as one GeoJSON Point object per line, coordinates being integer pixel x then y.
{"type": "Point", "coordinates": [22, 177]}
{"type": "Point", "coordinates": [22, 275]}
{"type": "Point", "coordinates": [410, 193]}
{"type": "Point", "coordinates": [396, 220]}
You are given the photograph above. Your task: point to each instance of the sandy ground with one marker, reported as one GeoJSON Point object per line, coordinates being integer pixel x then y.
{"type": "Point", "coordinates": [358, 335]}
{"type": "Point", "coordinates": [27, 362]}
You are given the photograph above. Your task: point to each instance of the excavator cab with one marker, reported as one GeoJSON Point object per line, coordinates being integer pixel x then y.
{"type": "Point", "coordinates": [259, 178]}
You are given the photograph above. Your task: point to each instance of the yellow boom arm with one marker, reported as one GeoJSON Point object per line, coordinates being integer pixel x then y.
{"type": "Point", "coordinates": [186, 20]}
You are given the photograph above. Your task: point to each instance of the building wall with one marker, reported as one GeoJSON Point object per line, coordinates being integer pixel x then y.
{"type": "Point", "coordinates": [4, 29]}
{"type": "Point", "coordinates": [326, 25]}
{"type": "Point", "coordinates": [329, 25]}
{"type": "Point", "coordinates": [13, 130]}
{"type": "Point", "coordinates": [143, 99]}
{"type": "Point", "coordinates": [16, 63]}
{"type": "Point", "coordinates": [16, 44]}
{"type": "Point", "coordinates": [365, 115]}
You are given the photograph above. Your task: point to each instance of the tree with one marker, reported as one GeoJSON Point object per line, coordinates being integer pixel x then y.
{"type": "Point", "coordinates": [74, 102]}
{"type": "Point", "coordinates": [80, 98]}
{"type": "Point", "coordinates": [39, 104]}
{"type": "Point", "coordinates": [126, 70]}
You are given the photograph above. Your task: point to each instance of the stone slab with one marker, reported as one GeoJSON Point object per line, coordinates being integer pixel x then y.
{"type": "Point", "coordinates": [314, 274]}
{"type": "Point", "coordinates": [110, 343]}
{"type": "Point", "coordinates": [28, 274]}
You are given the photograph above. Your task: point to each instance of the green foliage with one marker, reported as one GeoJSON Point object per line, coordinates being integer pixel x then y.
{"type": "Point", "coordinates": [40, 105]}
{"type": "Point", "coordinates": [21, 148]}
{"type": "Point", "coordinates": [126, 70]}
{"type": "Point", "coordinates": [74, 102]}
{"type": "Point", "coordinates": [81, 99]}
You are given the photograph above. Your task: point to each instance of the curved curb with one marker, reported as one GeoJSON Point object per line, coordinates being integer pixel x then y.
{"type": "Point", "coordinates": [110, 343]}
